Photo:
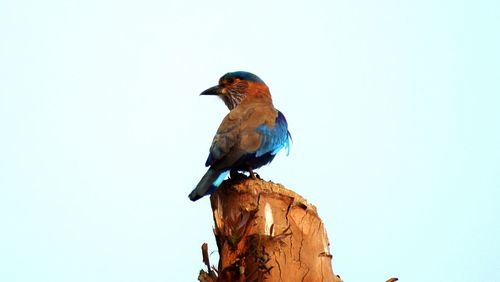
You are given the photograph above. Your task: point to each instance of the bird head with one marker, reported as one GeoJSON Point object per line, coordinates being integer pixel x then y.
{"type": "Point", "coordinates": [235, 87]}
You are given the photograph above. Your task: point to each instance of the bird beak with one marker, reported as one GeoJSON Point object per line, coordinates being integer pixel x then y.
{"type": "Point", "coordinates": [212, 91]}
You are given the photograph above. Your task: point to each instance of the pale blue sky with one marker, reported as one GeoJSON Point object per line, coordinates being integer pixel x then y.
{"type": "Point", "coordinates": [393, 107]}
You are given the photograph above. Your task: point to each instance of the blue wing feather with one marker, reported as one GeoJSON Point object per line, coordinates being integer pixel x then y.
{"type": "Point", "coordinates": [274, 139]}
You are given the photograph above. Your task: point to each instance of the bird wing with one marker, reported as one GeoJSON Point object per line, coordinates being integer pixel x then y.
{"type": "Point", "coordinates": [225, 139]}
{"type": "Point", "coordinates": [241, 132]}
{"type": "Point", "coordinates": [274, 138]}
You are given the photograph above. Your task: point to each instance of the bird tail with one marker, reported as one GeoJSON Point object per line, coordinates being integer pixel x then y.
{"type": "Point", "coordinates": [208, 183]}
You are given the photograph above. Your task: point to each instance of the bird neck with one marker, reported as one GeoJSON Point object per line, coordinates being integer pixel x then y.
{"type": "Point", "coordinates": [256, 98]}
{"type": "Point", "coordinates": [251, 93]}
{"type": "Point", "coordinates": [257, 91]}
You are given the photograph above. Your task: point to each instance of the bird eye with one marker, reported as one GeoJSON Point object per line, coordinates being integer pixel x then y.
{"type": "Point", "coordinates": [230, 80]}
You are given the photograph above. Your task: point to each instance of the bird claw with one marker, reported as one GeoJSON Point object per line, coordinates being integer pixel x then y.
{"type": "Point", "coordinates": [253, 175]}
{"type": "Point", "coordinates": [234, 174]}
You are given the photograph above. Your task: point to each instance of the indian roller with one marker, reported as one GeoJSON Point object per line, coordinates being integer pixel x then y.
{"type": "Point", "coordinates": [250, 135]}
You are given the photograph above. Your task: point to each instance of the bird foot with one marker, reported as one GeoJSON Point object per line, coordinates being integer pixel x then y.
{"type": "Point", "coordinates": [234, 174]}
{"type": "Point", "coordinates": [253, 175]}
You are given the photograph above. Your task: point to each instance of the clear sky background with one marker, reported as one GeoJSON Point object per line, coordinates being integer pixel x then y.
{"type": "Point", "coordinates": [393, 107]}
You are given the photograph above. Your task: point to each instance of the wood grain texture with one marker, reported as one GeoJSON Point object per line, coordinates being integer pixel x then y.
{"type": "Point", "coordinates": [265, 232]}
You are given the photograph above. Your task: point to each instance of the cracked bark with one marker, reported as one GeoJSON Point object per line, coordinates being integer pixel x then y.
{"type": "Point", "coordinates": [265, 232]}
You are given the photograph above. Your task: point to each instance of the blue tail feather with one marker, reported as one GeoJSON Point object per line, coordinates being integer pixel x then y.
{"type": "Point", "coordinates": [208, 183]}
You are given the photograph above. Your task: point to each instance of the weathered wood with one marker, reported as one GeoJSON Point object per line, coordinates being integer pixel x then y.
{"type": "Point", "coordinates": [265, 232]}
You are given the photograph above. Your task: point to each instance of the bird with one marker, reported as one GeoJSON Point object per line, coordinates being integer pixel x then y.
{"type": "Point", "coordinates": [249, 136]}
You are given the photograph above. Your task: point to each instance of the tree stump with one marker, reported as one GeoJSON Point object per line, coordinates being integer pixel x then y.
{"type": "Point", "coordinates": [265, 232]}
